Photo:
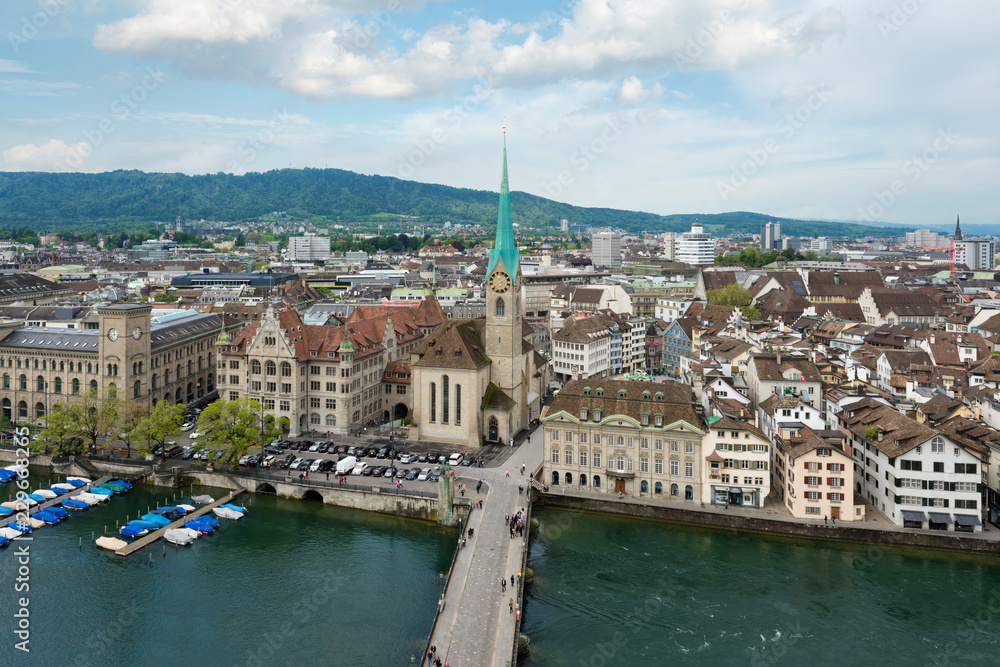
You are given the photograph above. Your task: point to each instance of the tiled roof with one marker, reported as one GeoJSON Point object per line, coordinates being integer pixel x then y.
{"type": "Point", "coordinates": [454, 344]}
{"type": "Point", "coordinates": [675, 406]}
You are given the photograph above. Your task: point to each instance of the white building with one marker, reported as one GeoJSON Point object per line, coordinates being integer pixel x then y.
{"type": "Point", "coordinates": [669, 239]}
{"type": "Point", "coordinates": [308, 248]}
{"type": "Point", "coordinates": [736, 464]}
{"type": "Point", "coordinates": [978, 255]}
{"type": "Point", "coordinates": [910, 473]}
{"type": "Point", "coordinates": [607, 249]}
{"type": "Point", "coordinates": [696, 247]}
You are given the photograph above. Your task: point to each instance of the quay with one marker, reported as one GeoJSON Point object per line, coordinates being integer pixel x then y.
{"type": "Point", "coordinates": [155, 535]}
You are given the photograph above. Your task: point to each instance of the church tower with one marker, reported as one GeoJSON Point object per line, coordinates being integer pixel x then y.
{"type": "Point", "coordinates": [958, 228]}
{"type": "Point", "coordinates": [503, 297]}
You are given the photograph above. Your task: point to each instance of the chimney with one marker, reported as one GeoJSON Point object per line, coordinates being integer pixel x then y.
{"type": "Point", "coordinates": [932, 338]}
{"type": "Point", "coordinates": [778, 356]}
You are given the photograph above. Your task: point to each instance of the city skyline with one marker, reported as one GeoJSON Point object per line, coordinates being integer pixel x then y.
{"type": "Point", "coordinates": [795, 109]}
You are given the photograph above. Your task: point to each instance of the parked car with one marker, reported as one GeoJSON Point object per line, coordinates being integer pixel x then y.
{"type": "Point", "coordinates": [326, 465]}
{"type": "Point", "coordinates": [294, 446]}
{"type": "Point", "coordinates": [188, 453]}
{"type": "Point", "coordinates": [296, 463]}
{"type": "Point", "coordinates": [382, 453]}
{"type": "Point", "coordinates": [422, 477]}
{"type": "Point", "coordinates": [402, 472]}
{"type": "Point", "coordinates": [323, 446]}
{"type": "Point", "coordinates": [406, 458]}
{"type": "Point", "coordinates": [371, 452]}
{"type": "Point", "coordinates": [341, 449]}
{"type": "Point", "coordinates": [315, 465]}
{"type": "Point", "coordinates": [422, 458]}
{"type": "Point", "coordinates": [172, 450]}
{"type": "Point", "coordinates": [390, 472]}
{"type": "Point", "coordinates": [441, 459]}
{"type": "Point", "coordinates": [412, 474]}
{"type": "Point", "coordinates": [456, 459]}
{"type": "Point", "coordinates": [286, 461]}
{"type": "Point", "coordinates": [353, 451]}
{"type": "Point", "coordinates": [434, 476]}
{"type": "Point", "coordinates": [378, 471]}
{"type": "Point", "coordinates": [194, 435]}
{"type": "Point", "coordinates": [188, 426]}
{"type": "Point", "coordinates": [268, 461]}
{"type": "Point", "coordinates": [359, 469]}
{"type": "Point", "coordinates": [273, 449]}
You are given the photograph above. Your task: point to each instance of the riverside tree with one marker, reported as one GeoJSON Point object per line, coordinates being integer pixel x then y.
{"type": "Point", "coordinates": [236, 426]}
{"type": "Point", "coordinates": [61, 432]}
{"type": "Point", "coordinates": [83, 418]}
{"type": "Point", "coordinates": [158, 427]}
{"type": "Point", "coordinates": [130, 415]}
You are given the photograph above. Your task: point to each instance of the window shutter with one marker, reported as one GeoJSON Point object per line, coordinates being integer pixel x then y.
{"type": "Point", "coordinates": [829, 481]}
{"type": "Point", "coordinates": [805, 464]}
{"type": "Point", "coordinates": [829, 466]}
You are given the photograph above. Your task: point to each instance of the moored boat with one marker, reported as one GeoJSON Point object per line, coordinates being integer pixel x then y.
{"type": "Point", "coordinates": [76, 483]}
{"type": "Point", "coordinates": [45, 493]}
{"type": "Point", "coordinates": [203, 500]}
{"type": "Point", "coordinates": [74, 504]}
{"type": "Point", "coordinates": [112, 543]}
{"type": "Point", "coordinates": [101, 491]}
{"type": "Point", "coordinates": [133, 531]}
{"type": "Point", "coordinates": [235, 508]}
{"type": "Point", "coordinates": [9, 533]}
{"type": "Point", "coordinates": [158, 519]}
{"type": "Point", "coordinates": [72, 480]}
{"type": "Point", "coordinates": [46, 516]}
{"type": "Point", "coordinates": [179, 537]}
{"type": "Point", "coordinates": [226, 513]}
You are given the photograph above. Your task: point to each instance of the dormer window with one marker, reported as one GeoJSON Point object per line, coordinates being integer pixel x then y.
{"type": "Point", "coordinates": [644, 419]}
{"type": "Point", "coordinates": [645, 395]}
{"type": "Point", "coordinates": [597, 415]}
{"type": "Point", "coordinates": [658, 420]}
{"type": "Point", "coordinates": [586, 391]}
{"type": "Point", "coordinates": [600, 392]}
{"type": "Point", "coordinates": [659, 396]}
{"type": "Point", "coordinates": [583, 414]}
{"type": "Point", "coordinates": [621, 393]}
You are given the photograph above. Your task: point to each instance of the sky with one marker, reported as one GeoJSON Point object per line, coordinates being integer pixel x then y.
{"type": "Point", "coordinates": [855, 110]}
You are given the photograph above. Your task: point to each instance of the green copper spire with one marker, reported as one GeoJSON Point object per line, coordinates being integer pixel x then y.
{"type": "Point", "coordinates": [504, 249]}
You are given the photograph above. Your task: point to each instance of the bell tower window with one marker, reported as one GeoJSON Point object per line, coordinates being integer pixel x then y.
{"type": "Point", "coordinates": [500, 308]}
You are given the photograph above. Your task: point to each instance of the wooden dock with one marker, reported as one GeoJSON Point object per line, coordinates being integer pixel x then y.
{"type": "Point", "coordinates": [54, 501]}
{"type": "Point", "coordinates": [157, 534]}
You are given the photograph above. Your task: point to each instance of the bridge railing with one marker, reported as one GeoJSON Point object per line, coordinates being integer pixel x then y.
{"type": "Point", "coordinates": [291, 479]}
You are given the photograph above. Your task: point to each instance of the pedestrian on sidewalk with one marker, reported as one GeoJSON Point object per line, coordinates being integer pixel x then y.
{"type": "Point", "coordinates": [503, 585]}
{"type": "Point", "coordinates": [520, 489]}
{"type": "Point", "coordinates": [522, 468]}
{"type": "Point", "coordinates": [510, 603]}
{"type": "Point", "coordinates": [507, 474]}
{"type": "Point", "coordinates": [512, 580]}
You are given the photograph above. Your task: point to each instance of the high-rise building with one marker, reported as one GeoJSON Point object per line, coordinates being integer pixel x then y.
{"type": "Point", "coordinates": [607, 249]}
{"type": "Point", "coordinates": [308, 248]}
{"type": "Point", "coordinates": [925, 238]}
{"type": "Point", "coordinates": [564, 225]}
{"type": "Point", "coordinates": [821, 245]}
{"type": "Point", "coordinates": [770, 236]}
{"type": "Point", "coordinates": [669, 239]}
{"type": "Point", "coordinates": [696, 247]}
{"type": "Point", "coordinates": [978, 255]}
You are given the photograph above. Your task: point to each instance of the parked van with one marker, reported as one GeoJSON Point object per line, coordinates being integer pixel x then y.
{"type": "Point", "coordinates": [346, 465]}
{"type": "Point", "coordinates": [456, 459]}
{"type": "Point", "coordinates": [171, 451]}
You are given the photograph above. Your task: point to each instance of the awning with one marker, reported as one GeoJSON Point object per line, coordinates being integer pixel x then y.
{"type": "Point", "coordinates": [967, 520]}
{"type": "Point", "coordinates": [735, 489]}
{"type": "Point", "coordinates": [914, 516]}
{"type": "Point", "coordinates": [939, 518]}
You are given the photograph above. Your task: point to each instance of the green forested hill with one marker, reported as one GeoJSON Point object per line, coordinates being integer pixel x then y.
{"type": "Point", "coordinates": [53, 201]}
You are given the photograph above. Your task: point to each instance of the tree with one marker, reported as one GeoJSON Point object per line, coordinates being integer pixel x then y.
{"type": "Point", "coordinates": [61, 432]}
{"type": "Point", "coordinates": [735, 296]}
{"type": "Point", "coordinates": [236, 425]}
{"type": "Point", "coordinates": [156, 428]}
{"type": "Point", "coordinates": [165, 298]}
{"type": "Point", "coordinates": [130, 416]}
{"type": "Point", "coordinates": [95, 412]}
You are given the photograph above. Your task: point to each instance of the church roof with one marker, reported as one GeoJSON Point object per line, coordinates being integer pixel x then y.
{"type": "Point", "coordinates": [495, 399]}
{"type": "Point", "coordinates": [454, 344]}
{"type": "Point", "coordinates": [504, 249]}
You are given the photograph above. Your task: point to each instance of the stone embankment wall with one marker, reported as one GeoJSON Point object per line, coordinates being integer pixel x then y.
{"type": "Point", "coordinates": [840, 531]}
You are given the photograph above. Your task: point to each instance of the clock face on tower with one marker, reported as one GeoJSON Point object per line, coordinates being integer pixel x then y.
{"type": "Point", "coordinates": [499, 282]}
{"type": "Point", "coordinates": [112, 334]}
{"type": "Point", "coordinates": [137, 333]}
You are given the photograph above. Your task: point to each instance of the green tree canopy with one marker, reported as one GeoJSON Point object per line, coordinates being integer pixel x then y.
{"type": "Point", "coordinates": [155, 429]}
{"type": "Point", "coordinates": [735, 296]}
{"type": "Point", "coordinates": [236, 426]}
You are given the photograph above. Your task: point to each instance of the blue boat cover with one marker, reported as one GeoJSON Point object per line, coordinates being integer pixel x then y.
{"type": "Point", "coordinates": [200, 526]}
{"type": "Point", "coordinates": [169, 512]}
{"type": "Point", "coordinates": [4, 540]}
{"type": "Point", "coordinates": [58, 511]}
{"type": "Point", "coordinates": [157, 519]}
{"type": "Point", "coordinates": [37, 498]}
{"type": "Point", "coordinates": [75, 482]}
{"type": "Point", "coordinates": [148, 525]}
{"type": "Point", "coordinates": [102, 492]}
{"type": "Point", "coordinates": [46, 516]}
{"type": "Point", "coordinates": [73, 503]}
{"type": "Point", "coordinates": [20, 527]}
{"type": "Point", "coordinates": [235, 508]}
{"type": "Point", "coordinates": [4, 511]}
{"type": "Point", "coordinates": [58, 490]}
{"type": "Point", "coordinates": [212, 521]}
{"type": "Point", "coordinates": [133, 531]}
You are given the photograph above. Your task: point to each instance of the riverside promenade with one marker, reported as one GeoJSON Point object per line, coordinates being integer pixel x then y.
{"type": "Point", "coordinates": [476, 627]}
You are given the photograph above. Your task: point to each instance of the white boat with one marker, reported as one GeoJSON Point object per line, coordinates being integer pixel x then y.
{"type": "Point", "coordinates": [112, 543]}
{"type": "Point", "coordinates": [203, 500]}
{"type": "Point", "coordinates": [91, 498]}
{"type": "Point", "coordinates": [180, 537]}
{"type": "Point", "coordinates": [190, 531]}
{"type": "Point", "coordinates": [224, 513]}
{"type": "Point", "coordinates": [45, 493]}
{"type": "Point", "coordinates": [187, 508]}
{"type": "Point", "coordinates": [63, 485]}
{"type": "Point", "coordinates": [9, 533]}
{"type": "Point", "coordinates": [82, 479]}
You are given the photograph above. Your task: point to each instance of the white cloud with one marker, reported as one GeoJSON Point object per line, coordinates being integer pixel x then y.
{"type": "Point", "coordinates": [14, 67]}
{"type": "Point", "coordinates": [56, 155]}
{"type": "Point", "coordinates": [37, 88]}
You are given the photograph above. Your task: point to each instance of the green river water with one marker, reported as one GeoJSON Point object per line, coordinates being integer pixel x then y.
{"type": "Point", "coordinates": [292, 583]}
{"type": "Point", "coordinates": [614, 591]}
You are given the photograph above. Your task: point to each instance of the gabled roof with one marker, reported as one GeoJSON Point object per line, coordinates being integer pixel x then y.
{"type": "Point", "coordinates": [454, 344]}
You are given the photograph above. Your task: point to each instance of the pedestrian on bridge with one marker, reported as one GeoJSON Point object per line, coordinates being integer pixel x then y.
{"type": "Point", "coordinates": [510, 603]}
{"type": "Point", "coordinates": [503, 584]}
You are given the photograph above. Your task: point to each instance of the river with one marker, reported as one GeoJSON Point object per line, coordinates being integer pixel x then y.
{"type": "Point", "coordinates": [616, 591]}
{"type": "Point", "coordinates": [292, 583]}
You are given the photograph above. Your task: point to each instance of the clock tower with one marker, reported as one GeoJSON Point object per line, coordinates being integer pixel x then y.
{"type": "Point", "coordinates": [503, 298]}
{"type": "Point", "coordinates": [124, 348]}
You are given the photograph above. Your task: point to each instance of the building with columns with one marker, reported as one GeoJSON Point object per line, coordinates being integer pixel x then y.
{"type": "Point", "coordinates": [481, 380]}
